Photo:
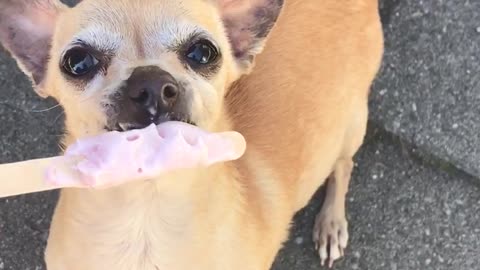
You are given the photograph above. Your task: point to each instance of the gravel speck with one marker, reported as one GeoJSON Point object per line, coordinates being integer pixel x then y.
{"type": "Point", "coordinates": [299, 240]}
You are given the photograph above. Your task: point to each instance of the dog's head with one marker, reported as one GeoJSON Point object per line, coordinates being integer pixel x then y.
{"type": "Point", "coordinates": [123, 64]}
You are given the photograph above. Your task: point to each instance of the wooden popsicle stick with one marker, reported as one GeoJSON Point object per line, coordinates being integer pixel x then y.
{"type": "Point", "coordinates": [28, 176]}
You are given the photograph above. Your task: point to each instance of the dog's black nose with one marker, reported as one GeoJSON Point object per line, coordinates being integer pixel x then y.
{"type": "Point", "coordinates": [153, 88]}
{"type": "Point", "coordinates": [150, 95]}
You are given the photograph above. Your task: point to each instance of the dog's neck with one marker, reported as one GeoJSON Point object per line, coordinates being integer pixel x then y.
{"type": "Point", "coordinates": [172, 209]}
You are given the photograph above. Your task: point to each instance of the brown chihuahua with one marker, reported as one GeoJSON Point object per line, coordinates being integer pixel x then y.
{"type": "Point", "coordinates": [292, 76]}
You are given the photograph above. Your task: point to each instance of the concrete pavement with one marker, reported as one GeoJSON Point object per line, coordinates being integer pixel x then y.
{"type": "Point", "coordinates": [429, 89]}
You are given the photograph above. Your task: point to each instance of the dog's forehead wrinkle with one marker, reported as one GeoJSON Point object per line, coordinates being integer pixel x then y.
{"type": "Point", "coordinates": [99, 37]}
{"type": "Point", "coordinates": [138, 43]}
{"type": "Point", "coordinates": [170, 32]}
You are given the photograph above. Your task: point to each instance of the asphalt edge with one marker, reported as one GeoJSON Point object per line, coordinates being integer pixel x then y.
{"type": "Point", "coordinates": [420, 154]}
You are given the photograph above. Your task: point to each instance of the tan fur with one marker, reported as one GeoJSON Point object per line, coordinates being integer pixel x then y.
{"type": "Point", "coordinates": [303, 111]}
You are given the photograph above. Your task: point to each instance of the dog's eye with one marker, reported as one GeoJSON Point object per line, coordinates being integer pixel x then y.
{"type": "Point", "coordinates": [203, 52]}
{"type": "Point", "coordinates": [78, 62]}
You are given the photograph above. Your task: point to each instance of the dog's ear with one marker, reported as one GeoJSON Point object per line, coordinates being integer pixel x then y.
{"type": "Point", "coordinates": [248, 23]}
{"type": "Point", "coordinates": [26, 29]}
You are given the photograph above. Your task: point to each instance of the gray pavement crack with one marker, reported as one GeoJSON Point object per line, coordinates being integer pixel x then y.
{"type": "Point", "coordinates": [423, 155]}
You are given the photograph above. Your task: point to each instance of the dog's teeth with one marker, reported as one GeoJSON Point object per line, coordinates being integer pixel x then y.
{"type": "Point", "coordinates": [123, 126]}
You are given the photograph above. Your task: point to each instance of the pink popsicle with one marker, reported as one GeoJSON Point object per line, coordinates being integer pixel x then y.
{"type": "Point", "coordinates": [114, 158]}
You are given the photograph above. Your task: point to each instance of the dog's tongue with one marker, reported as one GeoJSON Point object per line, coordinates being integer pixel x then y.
{"type": "Point", "coordinates": [118, 157]}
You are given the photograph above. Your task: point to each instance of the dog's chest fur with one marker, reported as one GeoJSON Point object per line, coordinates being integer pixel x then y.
{"type": "Point", "coordinates": [140, 227]}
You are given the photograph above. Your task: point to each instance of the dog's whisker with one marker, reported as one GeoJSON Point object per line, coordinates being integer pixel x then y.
{"type": "Point", "coordinates": [58, 117]}
{"type": "Point", "coordinates": [44, 110]}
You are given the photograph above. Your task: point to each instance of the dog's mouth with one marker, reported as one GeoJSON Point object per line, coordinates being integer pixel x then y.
{"type": "Point", "coordinates": [170, 116]}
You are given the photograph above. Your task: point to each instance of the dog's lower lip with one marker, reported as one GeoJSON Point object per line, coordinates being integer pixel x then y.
{"type": "Point", "coordinates": [128, 126]}
{"type": "Point", "coordinates": [174, 117]}
{"type": "Point", "coordinates": [168, 117]}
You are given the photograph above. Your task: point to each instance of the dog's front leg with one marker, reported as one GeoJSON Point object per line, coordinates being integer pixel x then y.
{"type": "Point", "coordinates": [330, 233]}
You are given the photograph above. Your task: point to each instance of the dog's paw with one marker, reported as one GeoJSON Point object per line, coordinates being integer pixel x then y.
{"type": "Point", "coordinates": [330, 235]}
